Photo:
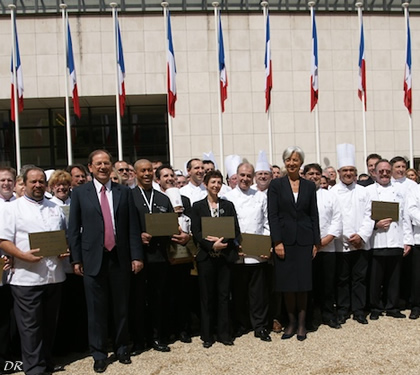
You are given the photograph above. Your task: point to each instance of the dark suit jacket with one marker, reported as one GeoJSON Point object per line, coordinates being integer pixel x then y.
{"type": "Point", "coordinates": [86, 228]}
{"type": "Point", "coordinates": [201, 209]}
{"type": "Point", "coordinates": [293, 222]}
{"type": "Point", "coordinates": [156, 251]}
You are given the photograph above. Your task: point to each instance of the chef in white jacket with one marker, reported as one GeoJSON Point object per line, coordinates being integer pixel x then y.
{"type": "Point", "coordinates": [249, 284]}
{"type": "Point", "coordinates": [353, 245]}
{"type": "Point", "coordinates": [324, 264]}
{"type": "Point", "coordinates": [389, 242]}
{"type": "Point", "coordinates": [413, 210]}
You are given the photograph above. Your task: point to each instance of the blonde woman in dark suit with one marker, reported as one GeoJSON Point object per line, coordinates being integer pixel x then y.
{"type": "Point", "coordinates": [294, 227]}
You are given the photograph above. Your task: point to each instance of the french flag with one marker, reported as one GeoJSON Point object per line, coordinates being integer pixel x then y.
{"type": "Point", "coordinates": [222, 67]}
{"type": "Point", "coordinates": [72, 72]}
{"type": "Point", "coordinates": [268, 68]}
{"type": "Point", "coordinates": [314, 65]}
{"type": "Point", "coordinates": [171, 68]}
{"type": "Point", "coordinates": [407, 76]}
{"type": "Point", "coordinates": [121, 70]}
{"type": "Point", "coordinates": [362, 67]}
{"type": "Point", "coordinates": [19, 79]}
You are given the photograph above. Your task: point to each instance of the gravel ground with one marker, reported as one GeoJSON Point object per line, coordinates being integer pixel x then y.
{"type": "Point", "coordinates": [385, 346]}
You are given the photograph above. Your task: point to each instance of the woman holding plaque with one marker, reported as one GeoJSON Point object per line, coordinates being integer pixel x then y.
{"type": "Point", "coordinates": [214, 259]}
{"type": "Point", "coordinates": [294, 227]}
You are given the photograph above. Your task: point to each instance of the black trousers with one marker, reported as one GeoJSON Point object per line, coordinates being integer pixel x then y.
{"type": "Point", "coordinates": [324, 285]}
{"type": "Point", "coordinates": [107, 291]}
{"type": "Point", "coordinates": [6, 306]}
{"type": "Point", "coordinates": [415, 277]}
{"type": "Point", "coordinates": [36, 310]}
{"type": "Point", "coordinates": [250, 296]}
{"type": "Point", "coordinates": [385, 282]}
{"type": "Point", "coordinates": [351, 281]}
{"type": "Point", "coordinates": [214, 276]}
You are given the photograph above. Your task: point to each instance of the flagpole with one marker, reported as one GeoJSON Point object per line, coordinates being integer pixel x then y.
{"type": "Point", "coordinates": [410, 119]}
{"type": "Point", "coordinates": [66, 83]}
{"type": "Point", "coordinates": [359, 5]}
{"type": "Point", "coordinates": [316, 114]}
{"type": "Point", "coordinates": [12, 8]}
{"type": "Point", "coordinates": [117, 86]}
{"type": "Point", "coordinates": [170, 129]}
{"type": "Point", "coordinates": [264, 4]}
{"type": "Point", "coordinates": [216, 27]}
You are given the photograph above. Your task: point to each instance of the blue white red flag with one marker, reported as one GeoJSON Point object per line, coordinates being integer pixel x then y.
{"type": "Point", "coordinates": [222, 67]}
{"type": "Point", "coordinates": [407, 76]}
{"type": "Point", "coordinates": [268, 66]}
{"type": "Point", "coordinates": [72, 72]}
{"type": "Point", "coordinates": [362, 67]}
{"type": "Point", "coordinates": [314, 65]}
{"type": "Point", "coordinates": [19, 79]}
{"type": "Point", "coordinates": [171, 71]}
{"type": "Point", "coordinates": [121, 69]}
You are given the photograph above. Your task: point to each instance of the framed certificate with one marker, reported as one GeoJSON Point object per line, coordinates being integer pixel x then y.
{"type": "Point", "coordinates": [383, 210]}
{"type": "Point", "coordinates": [255, 244]}
{"type": "Point", "coordinates": [179, 254]}
{"type": "Point", "coordinates": [218, 227]}
{"type": "Point", "coordinates": [50, 244]}
{"type": "Point", "coordinates": [162, 224]}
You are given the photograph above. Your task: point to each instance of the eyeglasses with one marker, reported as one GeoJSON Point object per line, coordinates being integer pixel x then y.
{"type": "Point", "coordinates": [124, 169]}
{"type": "Point", "coordinates": [385, 171]}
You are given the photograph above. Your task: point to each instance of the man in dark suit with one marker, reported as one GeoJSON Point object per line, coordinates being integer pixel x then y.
{"type": "Point", "coordinates": [148, 200]}
{"type": "Point", "coordinates": [105, 246]}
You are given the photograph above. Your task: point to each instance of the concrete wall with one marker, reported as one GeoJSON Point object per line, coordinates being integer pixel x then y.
{"type": "Point", "coordinates": [245, 122]}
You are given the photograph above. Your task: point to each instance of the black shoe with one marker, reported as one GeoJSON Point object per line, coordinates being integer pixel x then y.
{"type": "Point", "coordinates": [124, 358]}
{"type": "Point", "coordinates": [137, 350]}
{"type": "Point", "coordinates": [207, 344]}
{"type": "Point", "coordinates": [160, 346]}
{"type": "Point", "coordinates": [332, 323]}
{"type": "Point", "coordinates": [395, 314]}
{"type": "Point", "coordinates": [415, 314]}
{"type": "Point", "coordinates": [342, 319]}
{"type": "Point", "coordinates": [374, 315]}
{"type": "Point", "coordinates": [227, 342]}
{"type": "Point", "coordinates": [100, 365]}
{"type": "Point", "coordinates": [241, 331]}
{"type": "Point", "coordinates": [360, 319]}
{"type": "Point", "coordinates": [185, 337]}
{"type": "Point", "coordinates": [262, 335]}
{"type": "Point", "coordinates": [286, 336]}
{"type": "Point", "coordinates": [55, 368]}
{"type": "Point", "coordinates": [301, 337]}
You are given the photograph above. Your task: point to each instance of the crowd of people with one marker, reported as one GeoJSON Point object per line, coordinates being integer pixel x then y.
{"type": "Point", "coordinates": [336, 249]}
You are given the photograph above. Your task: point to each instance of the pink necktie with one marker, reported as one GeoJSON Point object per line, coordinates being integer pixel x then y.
{"type": "Point", "coordinates": [109, 240]}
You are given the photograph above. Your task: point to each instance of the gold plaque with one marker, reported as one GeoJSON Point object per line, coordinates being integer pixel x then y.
{"type": "Point", "coordinates": [50, 244]}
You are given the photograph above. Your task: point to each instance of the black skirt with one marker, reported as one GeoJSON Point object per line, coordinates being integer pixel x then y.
{"type": "Point", "coordinates": [294, 272]}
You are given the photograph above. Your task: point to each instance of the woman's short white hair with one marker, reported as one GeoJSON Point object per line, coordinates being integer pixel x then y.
{"type": "Point", "coordinates": [287, 153]}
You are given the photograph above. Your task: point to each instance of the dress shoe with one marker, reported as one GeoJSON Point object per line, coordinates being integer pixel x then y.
{"type": "Point", "coordinates": [185, 337]}
{"type": "Point", "coordinates": [342, 318]}
{"type": "Point", "coordinates": [360, 319]}
{"type": "Point", "coordinates": [227, 342]}
{"type": "Point", "coordinates": [55, 368]}
{"type": "Point", "coordinates": [160, 346]}
{"type": "Point", "coordinates": [241, 331]}
{"type": "Point", "coordinates": [262, 335]}
{"type": "Point", "coordinates": [395, 314]}
{"type": "Point", "coordinates": [207, 344]}
{"type": "Point", "coordinates": [301, 337]}
{"type": "Point", "coordinates": [124, 358]}
{"type": "Point", "coordinates": [374, 315]}
{"type": "Point", "coordinates": [415, 314]}
{"type": "Point", "coordinates": [332, 323]}
{"type": "Point", "coordinates": [100, 365]}
{"type": "Point", "coordinates": [277, 328]}
{"type": "Point", "coordinates": [137, 350]}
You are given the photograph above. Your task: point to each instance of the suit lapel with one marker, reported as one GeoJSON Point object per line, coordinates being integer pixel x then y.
{"type": "Point", "coordinates": [93, 196]}
{"type": "Point", "coordinates": [116, 195]}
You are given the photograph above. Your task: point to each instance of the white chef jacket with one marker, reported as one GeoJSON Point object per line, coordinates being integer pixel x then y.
{"type": "Point", "coordinates": [59, 202]}
{"type": "Point", "coordinates": [2, 202]}
{"type": "Point", "coordinates": [412, 206]}
{"type": "Point", "coordinates": [251, 210]}
{"type": "Point", "coordinates": [404, 184]}
{"type": "Point", "coordinates": [330, 220]}
{"type": "Point", "coordinates": [355, 206]}
{"type": "Point", "coordinates": [195, 193]}
{"type": "Point", "coordinates": [398, 233]}
{"type": "Point", "coordinates": [17, 220]}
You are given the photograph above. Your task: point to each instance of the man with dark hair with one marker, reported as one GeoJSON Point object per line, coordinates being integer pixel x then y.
{"type": "Point", "coordinates": [78, 174]}
{"type": "Point", "coordinates": [105, 247]}
{"type": "Point", "coordinates": [195, 190]}
{"type": "Point", "coordinates": [208, 166]}
{"type": "Point", "coordinates": [36, 281]}
{"type": "Point", "coordinates": [371, 161]}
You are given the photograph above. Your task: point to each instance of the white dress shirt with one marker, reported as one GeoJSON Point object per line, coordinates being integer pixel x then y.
{"type": "Point", "coordinates": [194, 193]}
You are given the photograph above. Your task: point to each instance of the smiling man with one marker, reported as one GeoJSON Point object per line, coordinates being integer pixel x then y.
{"type": "Point", "coordinates": [352, 255]}
{"type": "Point", "coordinates": [195, 189]}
